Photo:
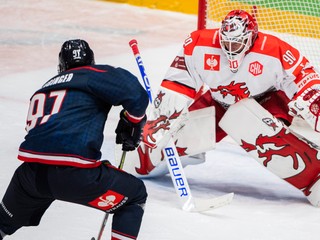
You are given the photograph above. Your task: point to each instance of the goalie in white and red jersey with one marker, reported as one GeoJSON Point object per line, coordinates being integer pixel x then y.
{"type": "Point", "coordinates": [267, 82]}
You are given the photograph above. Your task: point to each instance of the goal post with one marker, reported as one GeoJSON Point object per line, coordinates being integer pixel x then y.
{"type": "Point", "coordinates": [295, 21]}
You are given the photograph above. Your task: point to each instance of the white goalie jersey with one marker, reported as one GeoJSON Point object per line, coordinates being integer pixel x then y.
{"type": "Point", "coordinates": [201, 68]}
{"type": "Point", "coordinates": [270, 64]}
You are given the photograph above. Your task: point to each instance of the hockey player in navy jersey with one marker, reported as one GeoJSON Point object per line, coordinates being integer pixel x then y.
{"type": "Point", "coordinates": [61, 151]}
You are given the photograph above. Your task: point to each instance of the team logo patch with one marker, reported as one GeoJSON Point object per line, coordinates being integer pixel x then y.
{"type": "Point", "coordinates": [108, 201]}
{"type": "Point", "coordinates": [255, 68]}
{"type": "Point", "coordinates": [212, 62]}
{"type": "Point", "coordinates": [158, 100]}
{"type": "Point", "coordinates": [179, 63]}
{"type": "Point", "coordinates": [270, 123]}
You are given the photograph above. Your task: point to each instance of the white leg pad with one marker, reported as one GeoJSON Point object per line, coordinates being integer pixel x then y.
{"type": "Point", "coordinates": [314, 196]}
{"type": "Point", "coordinates": [254, 128]}
{"type": "Point", "coordinates": [196, 136]}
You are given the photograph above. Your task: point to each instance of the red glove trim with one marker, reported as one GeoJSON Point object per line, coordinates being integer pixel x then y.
{"type": "Point", "coordinates": [132, 118]}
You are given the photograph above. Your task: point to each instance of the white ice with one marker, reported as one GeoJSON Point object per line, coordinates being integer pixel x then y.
{"type": "Point", "coordinates": [264, 208]}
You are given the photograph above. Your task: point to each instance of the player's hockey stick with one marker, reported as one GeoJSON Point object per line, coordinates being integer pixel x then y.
{"type": "Point", "coordinates": [105, 219]}
{"type": "Point", "coordinates": [123, 157]}
{"type": "Point", "coordinates": [189, 203]}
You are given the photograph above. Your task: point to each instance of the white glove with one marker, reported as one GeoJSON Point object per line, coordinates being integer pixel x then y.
{"type": "Point", "coordinates": [307, 106]}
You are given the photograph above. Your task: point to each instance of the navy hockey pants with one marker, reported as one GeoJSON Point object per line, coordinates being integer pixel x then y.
{"type": "Point", "coordinates": [35, 186]}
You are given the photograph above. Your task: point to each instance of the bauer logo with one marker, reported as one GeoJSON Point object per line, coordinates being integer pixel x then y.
{"type": "Point", "coordinates": [107, 201]}
{"type": "Point", "coordinates": [175, 170]}
{"type": "Point", "coordinates": [212, 62]}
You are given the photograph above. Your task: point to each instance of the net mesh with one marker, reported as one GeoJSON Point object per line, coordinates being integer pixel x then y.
{"type": "Point", "coordinates": [295, 21]}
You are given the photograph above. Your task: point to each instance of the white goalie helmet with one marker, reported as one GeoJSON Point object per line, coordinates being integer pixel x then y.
{"type": "Point", "coordinates": [238, 32]}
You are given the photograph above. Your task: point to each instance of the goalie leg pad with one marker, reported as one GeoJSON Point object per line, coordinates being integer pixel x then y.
{"type": "Point", "coordinates": [267, 140]}
{"type": "Point", "coordinates": [313, 193]}
{"type": "Point", "coordinates": [205, 100]}
{"type": "Point", "coordinates": [199, 128]}
{"type": "Point", "coordinates": [302, 128]}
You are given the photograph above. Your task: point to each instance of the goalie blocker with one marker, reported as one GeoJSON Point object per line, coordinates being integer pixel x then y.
{"type": "Point", "coordinates": [196, 124]}
{"type": "Point", "coordinates": [273, 145]}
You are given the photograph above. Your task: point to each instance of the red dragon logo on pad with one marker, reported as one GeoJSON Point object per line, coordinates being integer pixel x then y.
{"type": "Point", "coordinates": [152, 127]}
{"type": "Point", "coordinates": [285, 144]}
{"type": "Point", "coordinates": [238, 90]}
{"type": "Point", "coordinates": [144, 150]}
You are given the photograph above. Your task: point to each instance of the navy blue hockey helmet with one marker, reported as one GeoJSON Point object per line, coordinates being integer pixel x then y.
{"type": "Point", "coordinates": [75, 53]}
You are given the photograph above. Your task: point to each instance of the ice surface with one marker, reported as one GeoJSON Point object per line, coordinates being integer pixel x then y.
{"type": "Point", "coordinates": [32, 31]}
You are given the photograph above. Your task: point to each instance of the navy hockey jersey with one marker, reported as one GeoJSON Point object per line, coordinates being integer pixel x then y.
{"type": "Point", "coordinates": [66, 117]}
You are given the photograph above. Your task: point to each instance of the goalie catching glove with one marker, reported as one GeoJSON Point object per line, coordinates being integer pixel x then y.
{"type": "Point", "coordinates": [307, 106]}
{"type": "Point", "coordinates": [129, 131]}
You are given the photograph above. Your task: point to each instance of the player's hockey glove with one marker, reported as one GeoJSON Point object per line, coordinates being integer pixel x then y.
{"type": "Point", "coordinates": [307, 106]}
{"type": "Point", "coordinates": [129, 133]}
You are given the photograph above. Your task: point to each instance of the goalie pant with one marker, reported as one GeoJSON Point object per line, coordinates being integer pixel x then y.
{"type": "Point", "coordinates": [274, 102]}
{"type": "Point", "coordinates": [303, 171]}
{"type": "Point", "coordinates": [35, 186]}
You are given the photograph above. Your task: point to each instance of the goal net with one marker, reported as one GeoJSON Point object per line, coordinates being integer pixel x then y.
{"type": "Point", "coordinates": [295, 21]}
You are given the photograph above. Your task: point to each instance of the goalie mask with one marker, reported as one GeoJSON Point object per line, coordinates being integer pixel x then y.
{"type": "Point", "coordinates": [75, 53]}
{"type": "Point", "coordinates": [237, 34]}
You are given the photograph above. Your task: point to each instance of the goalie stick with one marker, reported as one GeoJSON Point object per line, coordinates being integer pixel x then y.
{"type": "Point", "coordinates": [178, 177]}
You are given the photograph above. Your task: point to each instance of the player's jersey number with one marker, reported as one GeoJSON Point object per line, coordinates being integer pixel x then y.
{"type": "Point", "coordinates": [37, 106]}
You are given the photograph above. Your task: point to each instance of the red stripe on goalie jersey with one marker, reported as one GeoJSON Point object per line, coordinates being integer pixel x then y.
{"type": "Point", "coordinates": [290, 58]}
{"type": "Point", "coordinates": [179, 88]}
{"type": "Point", "coordinates": [265, 44]}
{"type": "Point", "coordinates": [272, 46]}
{"type": "Point", "coordinates": [306, 76]}
{"type": "Point", "coordinates": [206, 37]}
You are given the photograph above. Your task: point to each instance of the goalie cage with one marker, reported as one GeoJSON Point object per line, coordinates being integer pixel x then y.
{"type": "Point", "coordinates": [295, 21]}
